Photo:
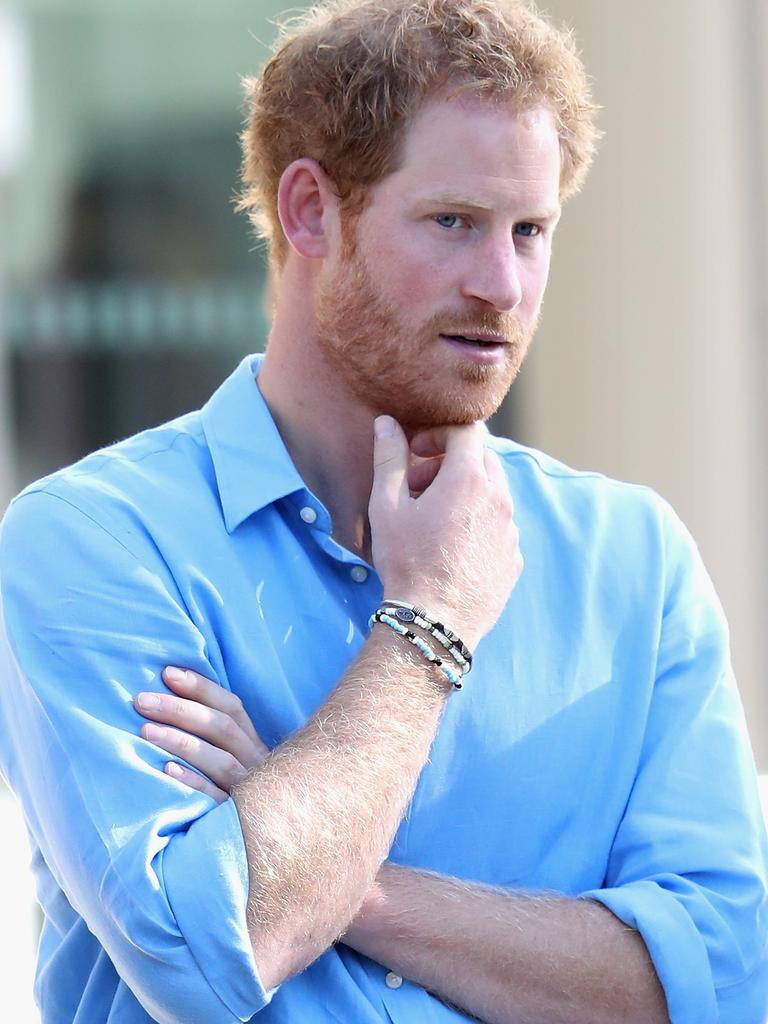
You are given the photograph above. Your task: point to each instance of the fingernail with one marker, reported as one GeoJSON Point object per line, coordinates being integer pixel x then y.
{"type": "Point", "coordinates": [153, 732]}
{"type": "Point", "coordinates": [176, 675]}
{"type": "Point", "coordinates": [148, 700]}
{"type": "Point", "coordinates": [384, 426]}
{"type": "Point", "coordinates": [173, 769]}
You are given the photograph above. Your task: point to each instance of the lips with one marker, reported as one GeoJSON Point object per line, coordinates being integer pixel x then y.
{"type": "Point", "coordinates": [478, 348]}
{"type": "Point", "coordinates": [479, 340]}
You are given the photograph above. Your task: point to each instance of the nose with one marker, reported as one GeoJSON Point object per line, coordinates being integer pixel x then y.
{"type": "Point", "coordinates": [493, 275]}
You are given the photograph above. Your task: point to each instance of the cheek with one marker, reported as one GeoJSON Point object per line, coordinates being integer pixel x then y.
{"type": "Point", "coordinates": [406, 273]}
{"type": "Point", "coordinates": [409, 285]}
{"type": "Point", "coordinates": [535, 282]}
{"type": "Point", "coordinates": [425, 278]}
{"type": "Point", "coordinates": [419, 284]}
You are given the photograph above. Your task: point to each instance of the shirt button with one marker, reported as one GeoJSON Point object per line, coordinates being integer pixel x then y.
{"type": "Point", "coordinates": [359, 573]}
{"type": "Point", "coordinates": [393, 980]}
{"type": "Point", "coordinates": [308, 514]}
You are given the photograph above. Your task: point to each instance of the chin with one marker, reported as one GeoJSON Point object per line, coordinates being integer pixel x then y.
{"type": "Point", "coordinates": [457, 408]}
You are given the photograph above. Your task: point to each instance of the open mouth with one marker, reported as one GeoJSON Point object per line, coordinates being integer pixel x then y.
{"type": "Point", "coordinates": [476, 342]}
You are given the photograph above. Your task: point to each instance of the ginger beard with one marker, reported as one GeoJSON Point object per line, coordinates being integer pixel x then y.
{"type": "Point", "coordinates": [407, 371]}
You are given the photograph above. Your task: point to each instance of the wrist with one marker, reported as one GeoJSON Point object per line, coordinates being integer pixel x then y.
{"type": "Point", "coordinates": [363, 926]}
{"type": "Point", "coordinates": [440, 644]}
{"type": "Point", "coordinates": [439, 606]}
{"type": "Point", "coordinates": [410, 660]}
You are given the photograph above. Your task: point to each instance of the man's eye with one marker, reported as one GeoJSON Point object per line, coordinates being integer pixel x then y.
{"type": "Point", "coordinates": [528, 230]}
{"type": "Point", "coordinates": [449, 220]}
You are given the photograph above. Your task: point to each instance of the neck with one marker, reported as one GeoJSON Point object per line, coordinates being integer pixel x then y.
{"type": "Point", "coordinates": [328, 434]}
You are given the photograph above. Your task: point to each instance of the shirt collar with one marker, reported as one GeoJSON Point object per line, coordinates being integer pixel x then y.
{"type": "Point", "coordinates": [252, 465]}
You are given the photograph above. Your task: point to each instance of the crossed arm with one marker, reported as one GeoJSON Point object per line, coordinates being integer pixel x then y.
{"type": "Point", "coordinates": [504, 957]}
{"type": "Point", "coordinates": [319, 813]}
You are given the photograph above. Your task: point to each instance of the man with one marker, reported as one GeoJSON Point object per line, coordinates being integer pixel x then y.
{"type": "Point", "coordinates": [574, 835]}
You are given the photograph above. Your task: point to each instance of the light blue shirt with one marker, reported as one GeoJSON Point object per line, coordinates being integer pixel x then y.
{"type": "Point", "coordinates": [598, 748]}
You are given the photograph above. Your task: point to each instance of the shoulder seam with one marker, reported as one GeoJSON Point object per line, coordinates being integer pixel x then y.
{"type": "Point", "coordinates": [569, 473]}
{"type": "Point", "coordinates": [52, 494]}
{"type": "Point", "coordinates": [105, 457]}
{"type": "Point", "coordinates": [109, 453]}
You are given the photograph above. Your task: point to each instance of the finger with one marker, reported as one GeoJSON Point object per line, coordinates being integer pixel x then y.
{"type": "Point", "coordinates": [428, 443]}
{"type": "Point", "coordinates": [467, 438]}
{"type": "Point", "coordinates": [421, 473]}
{"type": "Point", "coordinates": [434, 440]}
{"type": "Point", "coordinates": [463, 453]}
{"type": "Point", "coordinates": [200, 721]}
{"type": "Point", "coordinates": [221, 768]}
{"type": "Point", "coordinates": [194, 686]}
{"type": "Point", "coordinates": [390, 463]}
{"type": "Point", "coordinates": [497, 478]}
{"type": "Point", "coordinates": [195, 781]}
{"type": "Point", "coordinates": [495, 468]}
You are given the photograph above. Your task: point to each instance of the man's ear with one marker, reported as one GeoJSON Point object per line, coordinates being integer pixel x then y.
{"type": "Point", "coordinates": [308, 207]}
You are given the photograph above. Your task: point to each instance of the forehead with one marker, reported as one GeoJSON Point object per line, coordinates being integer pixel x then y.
{"type": "Point", "coordinates": [483, 147]}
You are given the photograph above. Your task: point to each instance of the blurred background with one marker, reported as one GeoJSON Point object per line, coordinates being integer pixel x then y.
{"type": "Point", "coordinates": [129, 288]}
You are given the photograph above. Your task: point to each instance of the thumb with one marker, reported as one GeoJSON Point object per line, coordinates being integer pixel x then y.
{"type": "Point", "coordinates": [390, 462]}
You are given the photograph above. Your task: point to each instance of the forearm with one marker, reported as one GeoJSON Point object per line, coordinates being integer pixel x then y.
{"type": "Point", "coordinates": [508, 958]}
{"type": "Point", "coordinates": [319, 814]}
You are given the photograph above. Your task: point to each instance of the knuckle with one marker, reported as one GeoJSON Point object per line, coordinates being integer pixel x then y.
{"type": "Point", "coordinates": [194, 780]}
{"type": "Point", "coordinates": [185, 742]}
{"type": "Point", "coordinates": [475, 474]}
{"type": "Point", "coordinates": [229, 728]}
{"type": "Point", "coordinates": [505, 511]}
{"type": "Point", "coordinates": [236, 709]}
{"type": "Point", "coordinates": [382, 460]}
{"type": "Point", "coordinates": [176, 708]}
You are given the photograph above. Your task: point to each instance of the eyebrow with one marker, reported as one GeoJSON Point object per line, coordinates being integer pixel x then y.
{"type": "Point", "coordinates": [455, 199]}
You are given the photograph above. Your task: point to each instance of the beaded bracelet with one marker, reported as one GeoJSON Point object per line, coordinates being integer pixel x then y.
{"type": "Point", "coordinates": [405, 612]}
{"type": "Point", "coordinates": [450, 673]}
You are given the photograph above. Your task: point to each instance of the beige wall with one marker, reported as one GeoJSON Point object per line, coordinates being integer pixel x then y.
{"type": "Point", "coordinates": [650, 364]}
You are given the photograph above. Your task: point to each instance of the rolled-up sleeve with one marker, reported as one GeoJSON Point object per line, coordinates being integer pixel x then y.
{"type": "Point", "coordinates": [157, 871]}
{"type": "Point", "coordinates": [688, 865]}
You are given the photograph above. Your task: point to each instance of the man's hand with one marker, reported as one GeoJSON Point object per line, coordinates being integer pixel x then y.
{"type": "Point", "coordinates": [205, 725]}
{"type": "Point", "coordinates": [454, 547]}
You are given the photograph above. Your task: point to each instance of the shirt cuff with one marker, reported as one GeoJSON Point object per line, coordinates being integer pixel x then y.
{"type": "Point", "coordinates": [208, 896]}
{"type": "Point", "coordinates": [674, 943]}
